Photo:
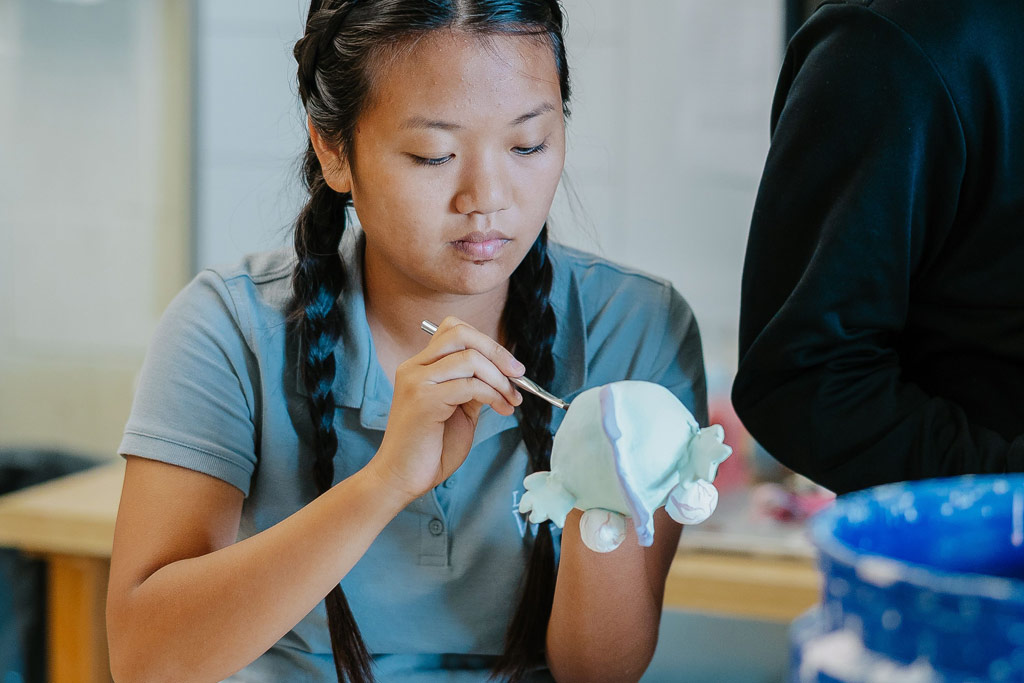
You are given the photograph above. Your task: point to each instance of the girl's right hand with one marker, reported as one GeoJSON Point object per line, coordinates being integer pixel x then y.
{"type": "Point", "coordinates": [437, 400]}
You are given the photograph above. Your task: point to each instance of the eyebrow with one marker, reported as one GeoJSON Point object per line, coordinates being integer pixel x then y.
{"type": "Point", "coordinates": [423, 122]}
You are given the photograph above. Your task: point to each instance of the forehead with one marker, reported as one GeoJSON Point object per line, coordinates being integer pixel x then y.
{"type": "Point", "coordinates": [465, 78]}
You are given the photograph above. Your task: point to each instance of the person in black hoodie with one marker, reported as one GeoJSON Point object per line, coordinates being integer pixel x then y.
{"type": "Point", "coordinates": [882, 317]}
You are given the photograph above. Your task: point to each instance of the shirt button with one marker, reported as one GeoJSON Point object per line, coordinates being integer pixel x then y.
{"type": "Point", "coordinates": [449, 482]}
{"type": "Point", "coordinates": [436, 527]}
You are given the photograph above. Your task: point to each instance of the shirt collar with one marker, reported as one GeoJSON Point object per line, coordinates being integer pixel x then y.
{"type": "Point", "coordinates": [359, 380]}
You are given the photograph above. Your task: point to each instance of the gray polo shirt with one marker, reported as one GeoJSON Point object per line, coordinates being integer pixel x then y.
{"type": "Point", "coordinates": [219, 393]}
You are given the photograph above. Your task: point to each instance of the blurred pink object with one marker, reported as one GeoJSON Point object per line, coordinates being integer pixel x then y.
{"type": "Point", "coordinates": [782, 503]}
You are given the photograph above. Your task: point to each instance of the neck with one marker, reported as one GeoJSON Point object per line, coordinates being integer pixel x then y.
{"type": "Point", "coordinates": [395, 309]}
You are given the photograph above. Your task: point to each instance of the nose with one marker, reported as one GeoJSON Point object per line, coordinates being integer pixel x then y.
{"type": "Point", "coordinates": [484, 188]}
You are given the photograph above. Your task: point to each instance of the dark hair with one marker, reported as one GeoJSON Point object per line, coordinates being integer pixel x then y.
{"type": "Point", "coordinates": [335, 59]}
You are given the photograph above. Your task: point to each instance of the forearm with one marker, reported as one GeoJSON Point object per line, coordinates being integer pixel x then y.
{"type": "Point", "coordinates": [863, 425]}
{"type": "Point", "coordinates": [606, 611]}
{"type": "Point", "coordinates": [206, 617]}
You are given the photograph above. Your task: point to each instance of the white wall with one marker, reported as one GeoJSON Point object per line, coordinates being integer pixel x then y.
{"type": "Point", "coordinates": [92, 209]}
{"type": "Point", "coordinates": [248, 124]}
{"type": "Point", "coordinates": [667, 138]}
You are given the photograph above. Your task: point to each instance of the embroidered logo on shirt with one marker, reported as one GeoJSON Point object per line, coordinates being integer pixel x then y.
{"type": "Point", "coordinates": [520, 517]}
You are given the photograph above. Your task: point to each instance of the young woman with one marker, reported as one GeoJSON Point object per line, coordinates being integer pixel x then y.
{"type": "Point", "coordinates": [315, 488]}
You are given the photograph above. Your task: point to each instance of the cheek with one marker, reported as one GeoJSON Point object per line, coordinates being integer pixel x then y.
{"type": "Point", "coordinates": [395, 198]}
{"type": "Point", "coordinates": [537, 188]}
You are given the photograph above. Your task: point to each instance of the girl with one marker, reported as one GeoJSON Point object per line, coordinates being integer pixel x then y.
{"type": "Point", "coordinates": [294, 428]}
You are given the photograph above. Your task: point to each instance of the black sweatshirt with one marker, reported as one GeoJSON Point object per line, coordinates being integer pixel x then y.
{"type": "Point", "coordinates": [882, 317]}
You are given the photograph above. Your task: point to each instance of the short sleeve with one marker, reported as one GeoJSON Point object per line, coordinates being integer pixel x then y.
{"type": "Point", "coordinates": [194, 403]}
{"type": "Point", "coordinates": [678, 363]}
{"type": "Point", "coordinates": [639, 327]}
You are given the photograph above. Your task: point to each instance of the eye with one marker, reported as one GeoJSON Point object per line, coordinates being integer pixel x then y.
{"type": "Point", "coordinates": [432, 161]}
{"type": "Point", "coordinates": [527, 151]}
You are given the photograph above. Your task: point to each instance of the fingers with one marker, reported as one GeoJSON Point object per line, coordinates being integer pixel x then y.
{"type": "Point", "coordinates": [472, 363]}
{"type": "Point", "coordinates": [463, 390]}
{"type": "Point", "coordinates": [453, 382]}
{"type": "Point", "coordinates": [454, 335]}
{"type": "Point", "coordinates": [461, 365]}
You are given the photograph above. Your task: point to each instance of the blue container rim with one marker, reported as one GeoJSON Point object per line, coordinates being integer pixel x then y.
{"type": "Point", "coordinates": [884, 571]}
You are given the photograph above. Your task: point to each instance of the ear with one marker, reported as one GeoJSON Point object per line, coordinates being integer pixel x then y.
{"type": "Point", "coordinates": [333, 163]}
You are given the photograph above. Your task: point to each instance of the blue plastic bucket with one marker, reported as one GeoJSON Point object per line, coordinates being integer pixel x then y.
{"type": "Point", "coordinates": [922, 583]}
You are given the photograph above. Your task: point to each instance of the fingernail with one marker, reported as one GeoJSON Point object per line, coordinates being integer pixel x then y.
{"type": "Point", "coordinates": [517, 366]}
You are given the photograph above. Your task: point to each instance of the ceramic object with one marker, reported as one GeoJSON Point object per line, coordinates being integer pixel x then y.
{"type": "Point", "coordinates": [623, 450]}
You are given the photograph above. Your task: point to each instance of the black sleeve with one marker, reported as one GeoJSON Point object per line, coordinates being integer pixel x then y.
{"type": "Point", "coordinates": [864, 169]}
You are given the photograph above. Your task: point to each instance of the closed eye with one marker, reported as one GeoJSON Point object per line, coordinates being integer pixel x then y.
{"type": "Point", "coordinates": [527, 151]}
{"type": "Point", "coordinates": [431, 161]}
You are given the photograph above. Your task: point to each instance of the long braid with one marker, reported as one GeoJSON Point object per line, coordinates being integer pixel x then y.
{"type": "Point", "coordinates": [317, 282]}
{"type": "Point", "coordinates": [530, 327]}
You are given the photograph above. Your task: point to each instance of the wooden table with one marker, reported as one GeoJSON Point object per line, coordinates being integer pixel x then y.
{"type": "Point", "coordinates": [70, 522]}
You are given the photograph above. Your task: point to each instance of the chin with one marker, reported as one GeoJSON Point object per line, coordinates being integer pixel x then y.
{"type": "Point", "coordinates": [477, 278]}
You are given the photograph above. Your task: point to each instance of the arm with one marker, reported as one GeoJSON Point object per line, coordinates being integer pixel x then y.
{"type": "Point", "coordinates": [188, 602]}
{"type": "Point", "coordinates": [859, 191]}
{"type": "Point", "coordinates": [607, 606]}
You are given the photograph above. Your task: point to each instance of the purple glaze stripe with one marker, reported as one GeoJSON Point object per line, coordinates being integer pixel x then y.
{"type": "Point", "coordinates": [638, 511]}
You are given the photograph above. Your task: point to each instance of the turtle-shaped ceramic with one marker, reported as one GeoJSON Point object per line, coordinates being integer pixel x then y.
{"type": "Point", "coordinates": [623, 450]}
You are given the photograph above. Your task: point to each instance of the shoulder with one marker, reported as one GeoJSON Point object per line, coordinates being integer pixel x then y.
{"type": "Point", "coordinates": [973, 45]}
{"type": "Point", "coordinates": [263, 276]}
{"type": "Point", "coordinates": [942, 21]}
{"type": "Point", "coordinates": [600, 282]}
{"type": "Point", "coordinates": [259, 268]}
{"type": "Point", "coordinates": [962, 58]}
{"type": "Point", "coordinates": [850, 56]}
{"type": "Point", "coordinates": [253, 292]}
{"type": "Point", "coordinates": [628, 323]}
{"type": "Point", "coordinates": [948, 33]}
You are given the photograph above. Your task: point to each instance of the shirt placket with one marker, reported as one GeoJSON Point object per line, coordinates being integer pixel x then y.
{"type": "Point", "coordinates": [434, 532]}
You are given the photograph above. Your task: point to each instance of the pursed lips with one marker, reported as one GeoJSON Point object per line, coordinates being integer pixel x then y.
{"type": "Point", "coordinates": [481, 246]}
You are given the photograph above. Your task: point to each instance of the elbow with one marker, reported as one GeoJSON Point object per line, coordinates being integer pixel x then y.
{"type": "Point", "coordinates": [131, 660]}
{"type": "Point", "coordinates": [122, 669]}
{"type": "Point", "coordinates": [589, 666]}
{"type": "Point", "coordinates": [749, 388]}
{"type": "Point", "coordinates": [592, 674]}
{"type": "Point", "coordinates": [129, 664]}
{"type": "Point", "coordinates": [138, 655]}
{"type": "Point", "coordinates": [126, 663]}
{"type": "Point", "coordinates": [771, 415]}
{"type": "Point", "coordinates": [752, 407]}
{"type": "Point", "coordinates": [787, 440]}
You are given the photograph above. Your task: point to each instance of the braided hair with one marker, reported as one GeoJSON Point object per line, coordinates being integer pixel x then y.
{"type": "Point", "coordinates": [335, 57]}
{"type": "Point", "coordinates": [532, 339]}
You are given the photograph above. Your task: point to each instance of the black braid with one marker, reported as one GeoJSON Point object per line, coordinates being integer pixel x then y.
{"type": "Point", "coordinates": [316, 46]}
{"type": "Point", "coordinates": [317, 282]}
{"type": "Point", "coordinates": [530, 327]}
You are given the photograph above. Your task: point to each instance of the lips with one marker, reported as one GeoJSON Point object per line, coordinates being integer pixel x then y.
{"type": "Point", "coordinates": [481, 246]}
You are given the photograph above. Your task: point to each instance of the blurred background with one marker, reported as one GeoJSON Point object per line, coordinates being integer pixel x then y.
{"type": "Point", "coordinates": [142, 140]}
